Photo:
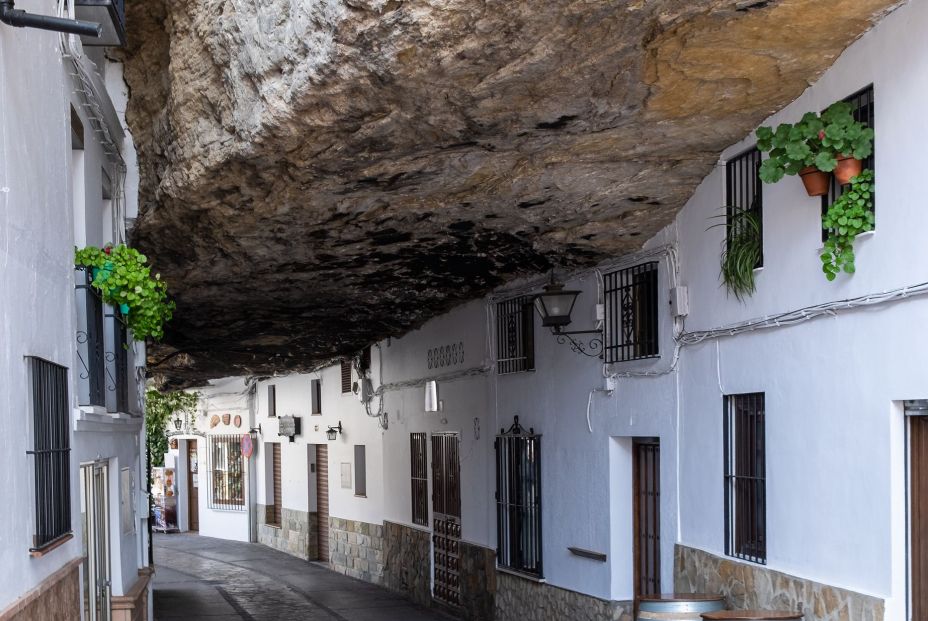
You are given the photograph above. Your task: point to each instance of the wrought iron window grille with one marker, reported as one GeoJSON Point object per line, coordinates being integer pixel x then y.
{"type": "Point", "coordinates": [744, 192]}
{"type": "Point", "coordinates": [631, 315]}
{"type": "Point", "coordinates": [226, 468]}
{"type": "Point", "coordinates": [518, 500]}
{"type": "Point", "coordinates": [745, 477]}
{"type": "Point", "coordinates": [419, 474]}
{"type": "Point", "coordinates": [515, 335]}
{"type": "Point", "coordinates": [90, 342]}
{"type": "Point", "coordinates": [117, 360]}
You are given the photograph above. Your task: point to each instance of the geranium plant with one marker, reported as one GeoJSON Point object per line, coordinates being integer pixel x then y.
{"type": "Point", "coordinates": [124, 280]}
{"type": "Point", "coordinates": [849, 216]}
{"type": "Point", "coordinates": [816, 140]}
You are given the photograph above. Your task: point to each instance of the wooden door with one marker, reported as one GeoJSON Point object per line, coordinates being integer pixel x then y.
{"type": "Point", "coordinates": [647, 516]}
{"type": "Point", "coordinates": [193, 492]}
{"type": "Point", "coordinates": [322, 499]}
{"type": "Point", "coordinates": [446, 517]}
{"type": "Point", "coordinates": [275, 510]}
{"type": "Point", "coordinates": [918, 451]}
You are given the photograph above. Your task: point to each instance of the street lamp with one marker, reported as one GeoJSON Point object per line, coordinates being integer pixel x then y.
{"type": "Point", "coordinates": [332, 432]}
{"type": "Point", "coordinates": [554, 304]}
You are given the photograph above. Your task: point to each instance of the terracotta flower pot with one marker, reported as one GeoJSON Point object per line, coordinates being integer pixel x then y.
{"type": "Point", "coordinates": [815, 180]}
{"type": "Point", "coordinates": [848, 168]}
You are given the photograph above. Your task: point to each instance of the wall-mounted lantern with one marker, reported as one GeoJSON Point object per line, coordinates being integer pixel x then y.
{"type": "Point", "coordinates": [555, 304]}
{"type": "Point", "coordinates": [178, 422]}
{"type": "Point", "coordinates": [332, 432]}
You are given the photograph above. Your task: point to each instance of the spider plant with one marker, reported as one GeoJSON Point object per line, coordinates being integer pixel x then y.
{"type": "Point", "coordinates": [741, 250]}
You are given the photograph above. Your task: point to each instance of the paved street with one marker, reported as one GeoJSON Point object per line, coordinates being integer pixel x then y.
{"type": "Point", "coordinates": [216, 580]}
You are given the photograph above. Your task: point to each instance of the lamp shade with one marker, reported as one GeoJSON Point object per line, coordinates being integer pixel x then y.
{"type": "Point", "coordinates": [555, 304]}
{"type": "Point", "coordinates": [331, 433]}
{"type": "Point", "coordinates": [178, 423]}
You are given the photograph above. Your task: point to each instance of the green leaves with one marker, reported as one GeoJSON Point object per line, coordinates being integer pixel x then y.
{"type": "Point", "coordinates": [159, 409]}
{"type": "Point", "coordinates": [123, 279]}
{"type": "Point", "coordinates": [741, 251]}
{"type": "Point", "coordinates": [849, 216]}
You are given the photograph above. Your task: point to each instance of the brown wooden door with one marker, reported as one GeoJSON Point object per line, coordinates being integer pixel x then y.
{"type": "Point", "coordinates": [918, 434]}
{"type": "Point", "coordinates": [647, 516]}
{"type": "Point", "coordinates": [322, 499]}
{"type": "Point", "coordinates": [446, 517]}
{"type": "Point", "coordinates": [193, 492]}
{"type": "Point", "coordinates": [274, 510]}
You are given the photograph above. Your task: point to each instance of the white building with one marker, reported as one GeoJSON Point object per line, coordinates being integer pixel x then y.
{"type": "Point", "coordinates": [768, 450]}
{"type": "Point", "coordinates": [74, 514]}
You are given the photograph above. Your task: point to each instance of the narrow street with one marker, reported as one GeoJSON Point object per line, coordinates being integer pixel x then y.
{"type": "Point", "coordinates": [217, 580]}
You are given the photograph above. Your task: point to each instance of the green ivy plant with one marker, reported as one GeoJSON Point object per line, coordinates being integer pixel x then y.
{"type": "Point", "coordinates": [124, 280]}
{"type": "Point", "coordinates": [849, 216]}
{"type": "Point", "coordinates": [159, 409]}
{"type": "Point", "coordinates": [741, 250]}
{"type": "Point", "coordinates": [816, 140]}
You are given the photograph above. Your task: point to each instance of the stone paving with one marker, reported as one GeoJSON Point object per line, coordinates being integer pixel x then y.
{"type": "Point", "coordinates": [217, 580]}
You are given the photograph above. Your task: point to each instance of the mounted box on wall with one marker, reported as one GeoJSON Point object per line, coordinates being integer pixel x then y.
{"type": "Point", "coordinates": [431, 396]}
{"type": "Point", "coordinates": [289, 426]}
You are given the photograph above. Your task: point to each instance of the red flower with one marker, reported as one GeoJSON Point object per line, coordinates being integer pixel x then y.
{"type": "Point", "coordinates": [821, 134]}
{"type": "Point", "coordinates": [108, 249]}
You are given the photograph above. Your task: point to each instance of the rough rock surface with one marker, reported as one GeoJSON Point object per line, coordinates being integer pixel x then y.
{"type": "Point", "coordinates": [317, 174]}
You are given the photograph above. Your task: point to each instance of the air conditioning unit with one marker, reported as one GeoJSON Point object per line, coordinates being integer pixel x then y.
{"type": "Point", "coordinates": [363, 389]}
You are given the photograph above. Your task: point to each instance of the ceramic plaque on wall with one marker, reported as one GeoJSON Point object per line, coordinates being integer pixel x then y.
{"type": "Point", "coordinates": [237, 421]}
{"type": "Point", "coordinates": [213, 420]}
{"type": "Point", "coordinates": [226, 419]}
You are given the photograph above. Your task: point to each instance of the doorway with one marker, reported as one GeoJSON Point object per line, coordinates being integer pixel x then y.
{"type": "Point", "coordinates": [446, 517]}
{"type": "Point", "coordinates": [646, 503]}
{"type": "Point", "coordinates": [95, 513]}
{"type": "Point", "coordinates": [193, 492]}
{"type": "Point", "coordinates": [322, 499]}
{"type": "Point", "coordinates": [918, 530]}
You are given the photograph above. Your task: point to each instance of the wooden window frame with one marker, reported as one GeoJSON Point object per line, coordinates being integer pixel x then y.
{"type": "Point", "coordinates": [346, 376]}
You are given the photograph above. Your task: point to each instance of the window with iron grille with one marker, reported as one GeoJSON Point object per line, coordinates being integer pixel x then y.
{"type": "Point", "coordinates": [515, 335]}
{"type": "Point", "coordinates": [51, 452]}
{"type": "Point", "coordinates": [745, 478]}
{"type": "Point", "coordinates": [226, 490]}
{"type": "Point", "coordinates": [518, 500]}
{"type": "Point", "coordinates": [316, 396]}
{"type": "Point", "coordinates": [272, 400]}
{"type": "Point", "coordinates": [346, 376]}
{"type": "Point", "coordinates": [418, 444]}
{"type": "Point", "coordinates": [863, 111]}
{"type": "Point", "coordinates": [743, 193]}
{"type": "Point", "coordinates": [90, 342]}
{"type": "Point", "coordinates": [121, 353]}
{"type": "Point", "coordinates": [631, 313]}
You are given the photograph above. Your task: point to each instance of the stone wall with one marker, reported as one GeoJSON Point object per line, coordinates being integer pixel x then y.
{"type": "Point", "coordinates": [522, 599]}
{"type": "Point", "coordinates": [356, 549]}
{"type": "Point", "coordinates": [754, 586]}
{"type": "Point", "coordinates": [478, 582]}
{"type": "Point", "coordinates": [298, 533]}
{"type": "Point", "coordinates": [58, 598]}
{"type": "Point", "coordinates": [406, 555]}
{"type": "Point", "coordinates": [133, 606]}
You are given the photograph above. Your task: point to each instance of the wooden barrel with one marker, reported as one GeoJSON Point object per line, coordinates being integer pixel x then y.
{"type": "Point", "coordinates": [678, 606]}
{"type": "Point", "coordinates": [752, 615]}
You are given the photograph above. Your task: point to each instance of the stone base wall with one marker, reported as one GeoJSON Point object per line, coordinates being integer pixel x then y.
{"type": "Point", "coordinates": [356, 549]}
{"type": "Point", "coordinates": [58, 598]}
{"type": "Point", "coordinates": [754, 586]}
{"type": "Point", "coordinates": [406, 554]}
{"type": "Point", "coordinates": [133, 606]}
{"type": "Point", "coordinates": [298, 533]}
{"type": "Point", "coordinates": [520, 599]}
{"type": "Point", "coordinates": [478, 582]}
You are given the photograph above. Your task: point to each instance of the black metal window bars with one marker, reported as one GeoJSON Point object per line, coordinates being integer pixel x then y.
{"type": "Point", "coordinates": [419, 474]}
{"type": "Point", "coordinates": [515, 335]}
{"type": "Point", "coordinates": [226, 468]}
{"type": "Point", "coordinates": [745, 478]}
{"type": "Point", "coordinates": [51, 452]}
{"type": "Point", "coordinates": [518, 500]}
{"type": "Point", "coordinates": [743, 192]}
{"type": "Point", "coordinates": [90, 341]}
{"type": "Point", "coordinates": [631, 313]}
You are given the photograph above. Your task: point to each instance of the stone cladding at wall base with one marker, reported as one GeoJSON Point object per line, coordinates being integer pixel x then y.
{"type": "Point", "coordinates": [356, 549]}
{"type": "Point", "coordinates": [57, 598]}
{"type": "Point", "coordinates": [521, 599]}
{"type": "Point", "coordinates": [407, 562]}
{"type": "Point", "coordinates": [478, 582]}
{"type": "Point", "coordinates": [298, 533]}
{"type": "Point", "coordinates": [754, 586]}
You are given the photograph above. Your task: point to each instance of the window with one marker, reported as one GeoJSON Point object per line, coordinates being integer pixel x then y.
{"type": "Point", "coordinates": [272, 400]}
{"type": "Point", "coordinates": [515, 335]}
{"type": "Point", "coordinates": [631, 313]}
{"type": "Point", "coordinates": [518, 500]}
{"type": "Point", "coordinates": [226, 490]}
{"type": "Point", "coordinates": [745, 478]}
{"type": "Point", "coordinates": [274, 509]}
{"type": "Point", "coordinates": [51, 453]}
{"type": "Point", "coordinates": [91, 387]}
{"type": "Point", "coordinates": [346, 376]}
{"type": "Point", "coordinates": [863, 104]}
{"type": "Point", "coordinates": [316, 390]}
{"type": "Point", "coordinates": [121, 362]}
{"type": "Point", "coordinates": [744, 196]}
{"type": "Point", "coordinates": [420, 478]}
{"type": "Point", "coordinates": [360, 470]}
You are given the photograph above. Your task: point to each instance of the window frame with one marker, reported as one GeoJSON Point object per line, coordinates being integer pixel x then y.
{"type": "Point", "coordinates": [745, 477]}
{"type": "Point", "coordinates": [226, 448]}
{"type": "Point", "coordinates": [515, 335]}
{"type": "Point", "coordinates": [360, 470]}
{"type": "Point", "coordinates": [631, 296]}
{"type": "Point", "coordinates": [419, 477]}
{"type": "Point", "coordinates": [519, 533]}
{"type": "Point", "coordinates": [737, 168]}
{"type": "Point", "coordinates": [346, 376]}
{"type": "Point", "coordinates": [315, 387]}
{"type": "Point", "coordinates": [272, 400]}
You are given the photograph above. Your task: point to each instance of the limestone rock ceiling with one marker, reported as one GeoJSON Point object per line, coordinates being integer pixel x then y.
{"type": "Point", "coordinates": [318, 174]}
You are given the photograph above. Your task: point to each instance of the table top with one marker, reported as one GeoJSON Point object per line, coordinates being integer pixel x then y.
{"type": "Point", "coordinates": [750, 615]}
{"type": "Point", "coordinates": [673, 597]}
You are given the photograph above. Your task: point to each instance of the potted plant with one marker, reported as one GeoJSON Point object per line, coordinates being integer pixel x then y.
{"type": "Point", "coordinates": [741, 250]}
{"type": "Point", "coordinates": [849, 216]}
{"type": "Point", "coordinates": [124, 280]}
{"type": "Point", "coordinates": [811, 148]}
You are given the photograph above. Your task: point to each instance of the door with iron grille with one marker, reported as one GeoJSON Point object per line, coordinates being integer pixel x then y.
{"type": "Point", "coordinates": [95, 511]}
{"type": "Point", "coordinates": [647, 516]}
{"type": "Point", "coordinates": [446, 518]}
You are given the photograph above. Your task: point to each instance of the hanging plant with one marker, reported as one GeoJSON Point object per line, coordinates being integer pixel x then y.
{"type": "Point", "coordinates": [849, 216]}
{"type": "Point", "coordinates": [813, 147]}
{"type": "Point", "coordinates": [741, 251]}
{"type": "Point", "coordinates": [124, 281]}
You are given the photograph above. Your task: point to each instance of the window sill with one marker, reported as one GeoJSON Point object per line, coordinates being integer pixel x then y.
{"type": "Point", "coordinates": [49, 547]}
{"type": "Point", "coordinates": [275, 526]}
{"type": "Point", "coordinates": [360, 495]}
{"type": "Point", "coordinates": [519, 574]}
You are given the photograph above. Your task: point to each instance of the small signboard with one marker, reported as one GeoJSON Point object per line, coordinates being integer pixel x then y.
{"type": "Point", "coordinates": [248, 446]}
{"type": "Point", "coordinates": [289, 426]}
